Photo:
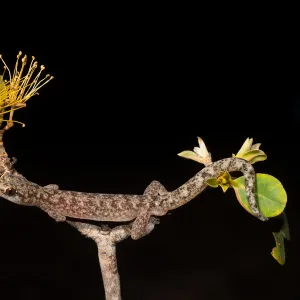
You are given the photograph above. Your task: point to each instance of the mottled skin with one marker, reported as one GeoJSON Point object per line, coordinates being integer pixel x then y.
{"type": "Point", "coordinates": [156, 200]}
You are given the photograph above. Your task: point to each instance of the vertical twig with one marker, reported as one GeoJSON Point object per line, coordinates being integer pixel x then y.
{"type": "Point", "coordinates": [109, 270]}
{"type": "Point", "coordinates": [106, 240]}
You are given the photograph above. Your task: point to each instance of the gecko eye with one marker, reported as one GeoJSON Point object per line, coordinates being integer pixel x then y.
{"type": "Point", "coordinates": [10, 192]}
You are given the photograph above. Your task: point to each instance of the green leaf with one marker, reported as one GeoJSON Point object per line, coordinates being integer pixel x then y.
{"type": "Point", "coordinates": [285, 227]}
{"type": "Point", "coordinates": [213, 182]}
{"type": "Point", "coordinates": [245, 147]}
{"type": "Point", "coordinates": [258, 158]}
{"type": "Point", "coordinates": [278, 252]}
{"type": "Point", "coordinates": [190, 155]}
{"type": "Point", "coordinates": [256, 146]}
{"type": "Point", "coordinates": [271, 197]}
{"type": "Point", "coordinates": [254, 155]}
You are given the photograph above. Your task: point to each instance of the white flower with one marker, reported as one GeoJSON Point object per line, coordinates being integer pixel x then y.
{"type": "Point", "coordinates": [200, 154]}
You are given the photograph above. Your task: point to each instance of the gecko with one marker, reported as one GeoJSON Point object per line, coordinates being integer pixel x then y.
{"type": "Point", "coordinates": [154, 202]}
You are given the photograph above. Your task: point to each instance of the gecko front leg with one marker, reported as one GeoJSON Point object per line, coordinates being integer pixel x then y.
{"type": "Point", "coordinates": [52, 189]}
{"type": "Point", "coordinates": [139, 226]}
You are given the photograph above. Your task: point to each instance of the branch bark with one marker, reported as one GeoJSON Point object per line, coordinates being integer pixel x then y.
{"type": "Point", "coordinates": [106, 240]}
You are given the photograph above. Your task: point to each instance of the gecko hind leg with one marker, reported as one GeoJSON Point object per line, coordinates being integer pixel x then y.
{"type": "Point", "coordinates": [145, 222]}
{"type": "Point", "coordinates": [155, 188]}
{"type": "Point", "coordinates": [140, 224]}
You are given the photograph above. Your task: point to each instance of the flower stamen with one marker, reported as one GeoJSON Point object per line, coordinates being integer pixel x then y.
{"type": "Point", "coordinates": [21, 85]}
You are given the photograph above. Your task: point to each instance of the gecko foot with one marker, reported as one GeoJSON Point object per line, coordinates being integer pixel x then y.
{"type": "Point", "coordinates": [141, 225]}
{"type": "Point", "coordinates": [105, 229]}
{"type": "Point", "coordinates": [154, 220]}
{"type": "Point", "coordinates": [150, 226]}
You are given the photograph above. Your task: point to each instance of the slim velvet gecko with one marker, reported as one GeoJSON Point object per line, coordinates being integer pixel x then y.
{"type": "Point", "coordinates": [156, 200]}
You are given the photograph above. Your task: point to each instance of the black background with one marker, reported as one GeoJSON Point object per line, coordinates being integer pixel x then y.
{"type": "Point", "coordinates": [130, 93]}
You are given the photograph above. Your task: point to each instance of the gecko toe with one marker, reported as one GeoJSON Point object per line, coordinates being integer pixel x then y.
{"type": "Point", "coordinates": [154, 220]}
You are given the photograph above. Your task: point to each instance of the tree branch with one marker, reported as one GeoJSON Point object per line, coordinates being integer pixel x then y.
{"type": "Point", "coordinates": [106, 240]}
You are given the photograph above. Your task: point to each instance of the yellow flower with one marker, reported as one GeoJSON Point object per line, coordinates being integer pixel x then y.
{"type": "Point", "coordinates": [20, 87]}
{"type": "Point", "coordinates": [224, 180]}
{"type": "Point", "coordinates": [250, 152]}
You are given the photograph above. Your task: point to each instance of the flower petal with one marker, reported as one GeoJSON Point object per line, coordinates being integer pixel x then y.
{"type": "Point", "coordinates": [255, 146]}
{"type": "Point", "coordinates": [203, 152]}
{"type": "Point", "coordinates": [191, 155]}
{"type": "Point", "coordinates": [224, 187]}
{"type": "Point", "coordinates": [202, 146]}
{"type": "Point", "coordinates": [212, 182]}
{"type": "Point", "coordinates": [245, 147]}
{"type": "Point", "coordinates": [258, 158]}
{"type": "Point", "coordinates": [198, 151]}
{"type": "Point", "coordinates": [254, 155]}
